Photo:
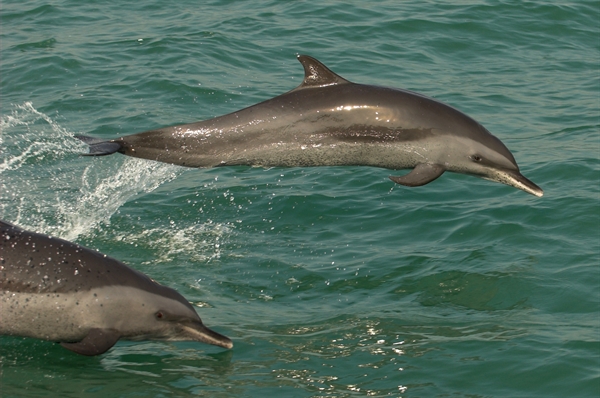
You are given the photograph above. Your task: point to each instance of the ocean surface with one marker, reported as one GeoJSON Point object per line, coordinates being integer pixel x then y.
{"type": "Point", "coordinates": [332, 281]}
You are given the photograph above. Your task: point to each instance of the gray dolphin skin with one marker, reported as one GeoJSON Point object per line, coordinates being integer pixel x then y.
{"type": "Point", "coordinates": [330, 121]}
{"type": "Point", "coordinates": [55, 290]}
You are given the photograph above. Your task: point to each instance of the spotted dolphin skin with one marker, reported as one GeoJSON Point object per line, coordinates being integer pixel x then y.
{"type": "Point", "coordinates": [330, 121]}
{"type": "Point", "coordinates": [56, 290]}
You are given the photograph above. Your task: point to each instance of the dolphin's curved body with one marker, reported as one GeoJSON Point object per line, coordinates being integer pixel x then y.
{"type": "Point", "coordinates": [330, 121]}
{"type": "Point", "coordinates": [59, 291]}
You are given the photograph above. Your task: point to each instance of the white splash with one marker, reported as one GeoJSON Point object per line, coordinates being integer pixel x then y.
{"type": "Point", "coordinates": [47, 187]}
{"type": "Point", "coordinates": [200, 242]}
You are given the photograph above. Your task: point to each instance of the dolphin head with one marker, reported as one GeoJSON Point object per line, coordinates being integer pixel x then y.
{"type": "Point", "coordinates": [188, 327]}
{"type": "Point", "coordinates": [487, 157]}
{"type": "Point", "coordinates": [169, 316]}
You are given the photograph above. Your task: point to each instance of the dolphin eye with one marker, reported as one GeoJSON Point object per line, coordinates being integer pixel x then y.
{"type": "Point", "coordinates": [159, 315]}
{"type": "Point", "coordinates": [476, 158]}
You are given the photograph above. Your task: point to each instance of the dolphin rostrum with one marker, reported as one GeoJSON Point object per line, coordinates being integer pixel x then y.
{"type": "Point", "coordinates": [59, 291]}
{"type": "Point", "coordinates": [330, 121]}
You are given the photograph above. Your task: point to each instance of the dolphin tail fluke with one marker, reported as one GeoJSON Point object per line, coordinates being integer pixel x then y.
{"type": "Point", "coordinates": [423, 174]}
{"type": "Point", "coordinates": [99, 147]}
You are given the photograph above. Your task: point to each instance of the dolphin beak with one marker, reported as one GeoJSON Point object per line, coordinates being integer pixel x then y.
{"type": "Point", "coordinates": [517, 180]}
{"type": "Point", "coordinates": [199, 332]}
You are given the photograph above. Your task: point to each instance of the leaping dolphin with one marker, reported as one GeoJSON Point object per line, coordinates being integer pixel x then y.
{"type": "Point", "coordinates": [59, 291]}
{"type": "Point", "coordinates": [330, 121]}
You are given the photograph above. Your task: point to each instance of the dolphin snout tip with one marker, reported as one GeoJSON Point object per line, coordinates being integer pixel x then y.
{"type": "Point", "coordinates": [220, 341]}
{"type": "Point", "coordinates": [227, 344]}
{"type": "Point", "coordinates": [223, 342]}
{"type": "Point", "coordinates": [200, 332]}
{"type": "Point", "coordinates": [521, 182]}
{"type": "Point", "coordinates": [539, 193]}
{"type": "Point", "coordinates": [516, 180]}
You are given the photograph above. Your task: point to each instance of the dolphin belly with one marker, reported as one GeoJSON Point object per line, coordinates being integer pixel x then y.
{"type": "Point", "coordinates": [49, 317]}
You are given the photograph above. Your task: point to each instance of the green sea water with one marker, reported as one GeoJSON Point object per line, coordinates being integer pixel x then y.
{"type": "Point", "coordinates": [331, 282]}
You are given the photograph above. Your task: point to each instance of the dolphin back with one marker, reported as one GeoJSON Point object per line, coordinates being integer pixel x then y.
{"type": "Point", "coordinates": [38, 263]}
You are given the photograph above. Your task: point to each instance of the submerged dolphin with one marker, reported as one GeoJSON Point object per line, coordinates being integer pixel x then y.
{"type": "Point", "coordinates": [56, 290]}
{"type": "Point", "coordinates": [330, 121]}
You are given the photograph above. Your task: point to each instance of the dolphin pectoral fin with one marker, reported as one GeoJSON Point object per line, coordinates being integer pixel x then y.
{"type": "Point", "coordinates": [423, 174]}
{"type": "Point", "coordinates": [99, 147]}
{"type": "Point", "coordinates": [97, 342]}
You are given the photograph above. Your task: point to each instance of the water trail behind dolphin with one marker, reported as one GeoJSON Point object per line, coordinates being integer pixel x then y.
{"type": "Point", "coordinates": [42, 185]}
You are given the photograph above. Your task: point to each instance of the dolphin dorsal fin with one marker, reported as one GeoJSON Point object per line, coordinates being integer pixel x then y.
{"type": "Point", "coordinates": [317, 75]}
